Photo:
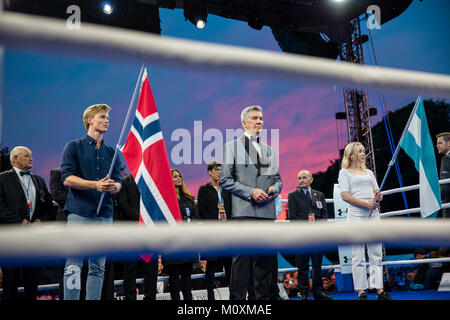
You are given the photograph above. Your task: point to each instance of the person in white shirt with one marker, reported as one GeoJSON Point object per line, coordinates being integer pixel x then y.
{"type": "Point", "coordinates": [360, 190]}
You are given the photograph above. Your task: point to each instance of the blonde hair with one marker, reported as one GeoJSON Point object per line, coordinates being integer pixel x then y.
{"type": "Point", "coordinates": [91, 111]}
{"type": "Point", "coordinates": [351, 149]}
{"type": "Point", "coordinates": [183, 187]}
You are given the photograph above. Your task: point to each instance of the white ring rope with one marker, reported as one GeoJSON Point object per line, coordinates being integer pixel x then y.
{"type": "Point", "coordinates": [52, 36]}
{"type": "Point", "coordinates": [21, 244]}
{"type": "Point", "coordinates": [409, 188]}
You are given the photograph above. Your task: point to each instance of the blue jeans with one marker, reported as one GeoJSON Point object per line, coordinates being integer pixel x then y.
{"type": "Point", "coordinates": [96, 269]}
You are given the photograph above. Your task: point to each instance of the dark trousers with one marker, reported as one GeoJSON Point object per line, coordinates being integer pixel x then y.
{"type": "Point", "coordinates": [108, 281]}
{"type": "Point", "coordinates": [11, 283]}
{"type": "Point", "coordinates": [274, 292]}
{"type": "Point", "coordinates": [241, 268]}
{"type": "Point", "coordinates": [175, 271]}
{"type": "Point", "coordinates": [212, 266]}
{"type": "Point", "coordinates": [302, 262]}
{"type": "Point", "coordinates": [150, 271]}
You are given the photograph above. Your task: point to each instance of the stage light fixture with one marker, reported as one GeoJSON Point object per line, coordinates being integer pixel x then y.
{"type": "Point", "coordinates": [200, 24]}
{"type": "Point", "coordinates": [108, 8]}
{"type": "Point", "coordinates": [196, 15]}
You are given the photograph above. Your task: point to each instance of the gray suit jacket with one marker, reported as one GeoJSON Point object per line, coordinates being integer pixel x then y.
{"type": "Point", "coordinates": [241, 173]}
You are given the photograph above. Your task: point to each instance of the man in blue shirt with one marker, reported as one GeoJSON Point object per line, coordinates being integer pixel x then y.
{"type": "Point", "coordinates": [85, 166]}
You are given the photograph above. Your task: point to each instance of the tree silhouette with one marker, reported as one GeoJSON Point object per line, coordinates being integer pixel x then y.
{"type": "Point", "coordinates": [5, 164]}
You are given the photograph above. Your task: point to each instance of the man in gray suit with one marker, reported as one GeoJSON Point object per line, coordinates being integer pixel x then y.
{"type": "Point", "coordinates": [250, 173]}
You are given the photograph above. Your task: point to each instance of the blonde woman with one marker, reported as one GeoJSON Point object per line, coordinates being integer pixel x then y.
{"type": "Point", "coordinates": [359, 188]}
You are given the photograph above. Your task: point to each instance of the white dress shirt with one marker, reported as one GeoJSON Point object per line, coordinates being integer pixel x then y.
{"type": "Point", "coordinates": [254, 142]}
{"type": "Point", "coordinates": [28, 188]}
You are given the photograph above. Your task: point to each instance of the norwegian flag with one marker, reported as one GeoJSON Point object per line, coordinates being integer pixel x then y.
{"type": "Point", "coordinates": [145, 154]}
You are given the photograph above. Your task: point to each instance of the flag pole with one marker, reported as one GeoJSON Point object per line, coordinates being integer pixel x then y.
{"type": "Point", "coordinates": [119, 143]}
{"type": "Point", "coordinates": [397, 149]}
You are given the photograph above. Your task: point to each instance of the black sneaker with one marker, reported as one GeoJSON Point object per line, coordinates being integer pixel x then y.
{"type": "Point", "coordinates": [384, 296]}
{"type": "Point", "coordinates": [363, 296]}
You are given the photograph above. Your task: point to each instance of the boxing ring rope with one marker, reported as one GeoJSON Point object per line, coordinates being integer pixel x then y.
{"type": "Point", "coordinates": [51, 35]}
{"type": "Point", "coordinates": [20, 244]}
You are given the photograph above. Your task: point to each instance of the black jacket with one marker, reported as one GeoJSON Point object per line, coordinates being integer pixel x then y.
{"type": "Point", "coordinates": [207, 200]}
{"type": "Point", "coordinates": [58, 192]}
{"type": "Point", "coordinates": [13, 202]}
{"type": "Point", "coordinates": [128, 199]}
{"type": "Point", "coordinates": [299, 206]}
{"type": "Point", "coordinates": [185, 203]}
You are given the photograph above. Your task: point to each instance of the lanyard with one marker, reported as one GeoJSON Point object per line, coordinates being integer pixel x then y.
{"type": "Point", "coordinates": [219, 194]}
{"type": "Point", "coordinates": [28, 197]}
{"type": "Point", "coordinates": [26, 189]}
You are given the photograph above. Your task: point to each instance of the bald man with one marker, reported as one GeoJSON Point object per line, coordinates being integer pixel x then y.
{"type": "Point", "coordinates": [24, 199]}
{"type": "Point", "coordinates": [308, 205]}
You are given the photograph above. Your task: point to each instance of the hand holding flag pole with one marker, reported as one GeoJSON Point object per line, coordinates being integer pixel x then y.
{"type": "Point", "coordinates": [417, 143]}
{"type": "Point", "coordinates": [397, 149]}
{"type": "Point", "coordinates": [125, 125]}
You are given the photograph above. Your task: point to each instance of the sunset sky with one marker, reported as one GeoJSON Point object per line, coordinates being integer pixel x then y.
{"type": "Point", "coordinates": [44, 95]}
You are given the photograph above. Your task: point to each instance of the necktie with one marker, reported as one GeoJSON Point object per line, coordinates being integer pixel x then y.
{"type": "Point", "coordinates": [22, 173]}
{"type": "Point", "coordinates": [308, 196]}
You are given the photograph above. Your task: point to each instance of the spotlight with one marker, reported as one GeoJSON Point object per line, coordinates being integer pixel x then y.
{"type": "Point", "coordinates": [200, 24]}
{"type": "Point", "coordinates": [107, 8]}
{"type": "Point", "coordinates": [196, 15]}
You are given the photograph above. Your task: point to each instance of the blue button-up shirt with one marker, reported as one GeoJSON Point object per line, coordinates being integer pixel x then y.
{"type": "Point", "coordinates": [83, 159]}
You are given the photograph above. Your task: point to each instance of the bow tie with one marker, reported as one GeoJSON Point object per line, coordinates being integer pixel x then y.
{"type": "Point", "coordinates": [252, 139]}
{"type": "Point", "coordinates": [22, 173]}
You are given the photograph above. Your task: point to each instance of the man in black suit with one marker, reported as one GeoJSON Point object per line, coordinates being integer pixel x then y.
{"type": "Point", "coordinates": [213, 204]}
{"type": "Point", "coordinates": [309, 205]}
{"type": "Point", "coordinates": [443, 146]}
{"type": "Point", "coordinates": [128, 200]}
{"type": "Point", "coordinates": [24, 199]}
